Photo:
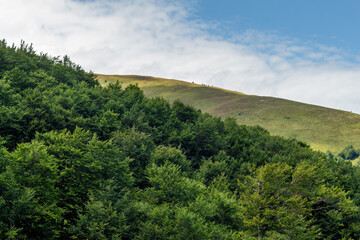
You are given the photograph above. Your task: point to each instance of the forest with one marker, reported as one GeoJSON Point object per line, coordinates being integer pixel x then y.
{"type": "Point", "coordinates": [81, 161]}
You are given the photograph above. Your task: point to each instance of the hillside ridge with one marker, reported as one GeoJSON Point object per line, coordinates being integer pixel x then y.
{"type": "Point", "coordinates": [322, 127]}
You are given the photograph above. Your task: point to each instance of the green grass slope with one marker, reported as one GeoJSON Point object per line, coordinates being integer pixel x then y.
{"type": "Point", "coordinates": [322, 128]}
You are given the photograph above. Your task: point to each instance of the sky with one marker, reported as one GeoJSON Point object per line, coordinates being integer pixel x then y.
{"type": "Point", "coordinates": [330, 22]}
{"type": "Point", "coordinates": [300, 50]}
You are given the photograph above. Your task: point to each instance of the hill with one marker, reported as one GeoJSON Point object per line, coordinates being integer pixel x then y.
{"type": "Point", "coordinates": [323, 128]}
{"type": "Point", "coordinates": [83, 161]}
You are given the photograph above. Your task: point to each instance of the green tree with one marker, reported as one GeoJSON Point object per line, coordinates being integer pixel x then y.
{"type": "Point", "coordinates": [279, 201]}
{"type": "Point", "coordinates": [103, 215]}
{"type": "Point", "coordinates": [163, 154]}
{"type": "Point", "coordinates": [138, 146]}
{"type": "Point", "coordinates": [349, 153]}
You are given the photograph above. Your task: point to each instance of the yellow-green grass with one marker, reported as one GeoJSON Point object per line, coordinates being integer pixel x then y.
{"type": "Point", "coordinates": [322, 128]}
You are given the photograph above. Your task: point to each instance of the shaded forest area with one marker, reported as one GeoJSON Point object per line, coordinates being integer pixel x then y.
{"type": "Point", "coordinates": [80, 161]}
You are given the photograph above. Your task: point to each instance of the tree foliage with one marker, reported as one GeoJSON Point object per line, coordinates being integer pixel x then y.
{"type": "Point", "coordinates": [81, 161]}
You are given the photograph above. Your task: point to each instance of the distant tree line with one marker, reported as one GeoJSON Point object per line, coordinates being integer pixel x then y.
{"type": "Point", "coordinates": [81, 161]}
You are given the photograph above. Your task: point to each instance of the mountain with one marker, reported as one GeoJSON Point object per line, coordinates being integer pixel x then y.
{"type": "Point", "coordinates": [323, 128]}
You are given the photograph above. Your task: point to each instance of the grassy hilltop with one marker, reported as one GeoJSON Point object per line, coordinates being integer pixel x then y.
{"type": "Point", "coordinates": [322, 128]}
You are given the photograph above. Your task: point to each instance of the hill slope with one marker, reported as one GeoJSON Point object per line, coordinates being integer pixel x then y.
{"type": "Point", "coordinates": [81, 161]}
{"type": "Point", "coordinates": [322, 128]}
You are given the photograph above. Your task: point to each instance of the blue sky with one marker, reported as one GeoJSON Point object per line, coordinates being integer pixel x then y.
{"type": "Point", "coordinates": [305, 51]}
{"type": "Point", "coordinates": [327, 22]}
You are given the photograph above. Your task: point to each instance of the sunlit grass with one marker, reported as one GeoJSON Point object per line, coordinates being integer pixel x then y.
{"type": "Point", "coordinates": [322, 128]}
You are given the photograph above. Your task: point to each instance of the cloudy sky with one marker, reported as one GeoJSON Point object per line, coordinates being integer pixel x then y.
{"type": "Point", "coordinates": [301, 50]}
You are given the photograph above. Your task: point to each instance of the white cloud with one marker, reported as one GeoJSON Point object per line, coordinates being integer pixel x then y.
{"type": "Point", "coordinates": [156, 37]}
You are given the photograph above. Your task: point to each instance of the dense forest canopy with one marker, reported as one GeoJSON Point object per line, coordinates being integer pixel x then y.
{"type": "Point", "coordinates": [80, 161]}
